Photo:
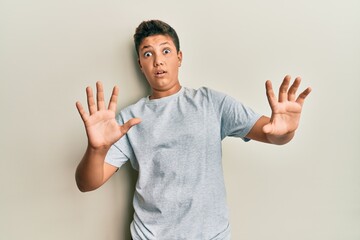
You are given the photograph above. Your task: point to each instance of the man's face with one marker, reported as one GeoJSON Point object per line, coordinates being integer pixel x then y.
{"type": "Point", "coordinates": [160, 62]}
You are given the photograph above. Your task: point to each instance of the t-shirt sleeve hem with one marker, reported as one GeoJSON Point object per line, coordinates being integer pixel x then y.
{"type": "Point", "coordinates": [114, 163]}
{"type": "Point", "coordinates": [250, 126]}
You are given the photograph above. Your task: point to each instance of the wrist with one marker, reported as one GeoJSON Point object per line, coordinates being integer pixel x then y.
{"type": "Point", "coordinates": [100, 150]}
{"type": "Point", "coordinates": [280, 139]}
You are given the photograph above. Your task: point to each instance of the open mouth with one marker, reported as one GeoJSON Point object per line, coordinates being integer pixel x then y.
{"type": "Point", "coordinates": [160, 73]}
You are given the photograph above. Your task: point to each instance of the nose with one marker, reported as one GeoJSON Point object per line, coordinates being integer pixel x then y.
{"type": "Point", "coordinates": [158, 61]}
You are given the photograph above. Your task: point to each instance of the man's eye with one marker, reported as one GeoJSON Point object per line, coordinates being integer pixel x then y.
{"type": "Point", "coordinates": [166, 51]}
{"type": "Point", "coordinates": [147, 54]}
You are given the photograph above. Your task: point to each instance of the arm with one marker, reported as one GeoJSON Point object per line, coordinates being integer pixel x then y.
{"type": "Point", "coordinates": [92, 172]}
{"type": "Point", "coordinates": [102, 131]}
{"type": "Point", "coordinates": [285, 116]}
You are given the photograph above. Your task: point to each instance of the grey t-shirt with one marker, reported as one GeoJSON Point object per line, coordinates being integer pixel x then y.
{"type": "Point", "coordinates": [180, 191]}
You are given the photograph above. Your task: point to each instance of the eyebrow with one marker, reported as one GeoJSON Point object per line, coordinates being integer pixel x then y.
{"type": "Point", "coordinates": [149, 46]}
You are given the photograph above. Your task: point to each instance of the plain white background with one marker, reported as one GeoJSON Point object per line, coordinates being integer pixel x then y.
{"type": "Point", "coordinates": [51, 50]}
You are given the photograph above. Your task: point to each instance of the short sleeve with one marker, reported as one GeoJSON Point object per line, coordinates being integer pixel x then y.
{"type": "Point", "coordinates": [236, 119]}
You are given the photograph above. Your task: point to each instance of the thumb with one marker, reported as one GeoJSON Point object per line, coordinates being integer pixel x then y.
{"type": "Point", "coordinates": [126, 127]}
{"type": "Point", "coordinates": [267, 128]}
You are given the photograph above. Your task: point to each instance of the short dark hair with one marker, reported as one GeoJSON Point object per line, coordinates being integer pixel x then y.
{"type": "Point", "coordinates": [154, 27]}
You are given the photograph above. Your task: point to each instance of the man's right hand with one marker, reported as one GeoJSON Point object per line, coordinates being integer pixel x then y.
{"type": "Point", "coordinates": [102, 130]}
{"type": "Point", "coordinates": [101, 127]}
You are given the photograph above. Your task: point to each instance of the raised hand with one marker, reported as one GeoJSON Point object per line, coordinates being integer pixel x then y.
{"type": "Point", "coordinates": [101, 127]}
{"type": "Point", "coordinates": [286, 110]}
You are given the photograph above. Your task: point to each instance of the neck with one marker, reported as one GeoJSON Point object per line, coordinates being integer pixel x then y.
{"type": "Point", "coordinates": [156, 94]}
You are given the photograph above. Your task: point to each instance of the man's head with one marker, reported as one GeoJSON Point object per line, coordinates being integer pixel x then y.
{"type": "Point", "coordinates": [159, 57]}
{"type": "Point", "coordinates": [154, 27]}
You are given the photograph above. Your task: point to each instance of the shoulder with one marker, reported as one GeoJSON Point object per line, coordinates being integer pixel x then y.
{"type": "Point", "coordinates": [132, 110]}
{"type": "Point", "coordinates": [141, 102]}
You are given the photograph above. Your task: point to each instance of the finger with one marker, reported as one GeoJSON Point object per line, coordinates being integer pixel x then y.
{"type": "Point", "coordinates": [270, 95]}
{"type": "Point", "coordinates": [126, 127]}
{"type": "Point", "coordinates": [100, 96]}
{"type": "Point", "coordinates": [292, 90]}
{"type": "Point", "coordinates": [90, 100]}
{"type": "Point", "coordinates": [83, 114]}
{"type": "Point", "coordinates": [267, 128]}
{"type": "Point", "coordinates": [284, 88]}
{"type": "Point", "coordinates": [303, 95]}
{"type": "Point", "coordinates": [113, 99]}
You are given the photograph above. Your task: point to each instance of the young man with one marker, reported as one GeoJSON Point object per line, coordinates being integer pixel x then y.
{"type": "Point", "coordinates": [176, 143]}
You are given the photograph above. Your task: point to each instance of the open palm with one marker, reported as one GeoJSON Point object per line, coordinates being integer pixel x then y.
{"type": "Point", "coordinates": [286, 110]}
{"type": "Point", "coordinates": [101, 127]}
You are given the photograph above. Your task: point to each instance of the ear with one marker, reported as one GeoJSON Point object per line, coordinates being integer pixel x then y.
{"type": "Point", "coordinates": [179, 55]}
{"type": "Point", "coordinates": [140, 65]}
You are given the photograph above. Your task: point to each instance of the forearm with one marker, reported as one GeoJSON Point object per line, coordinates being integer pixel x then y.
{"type": "Point", "coordinates": [90, 171]}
